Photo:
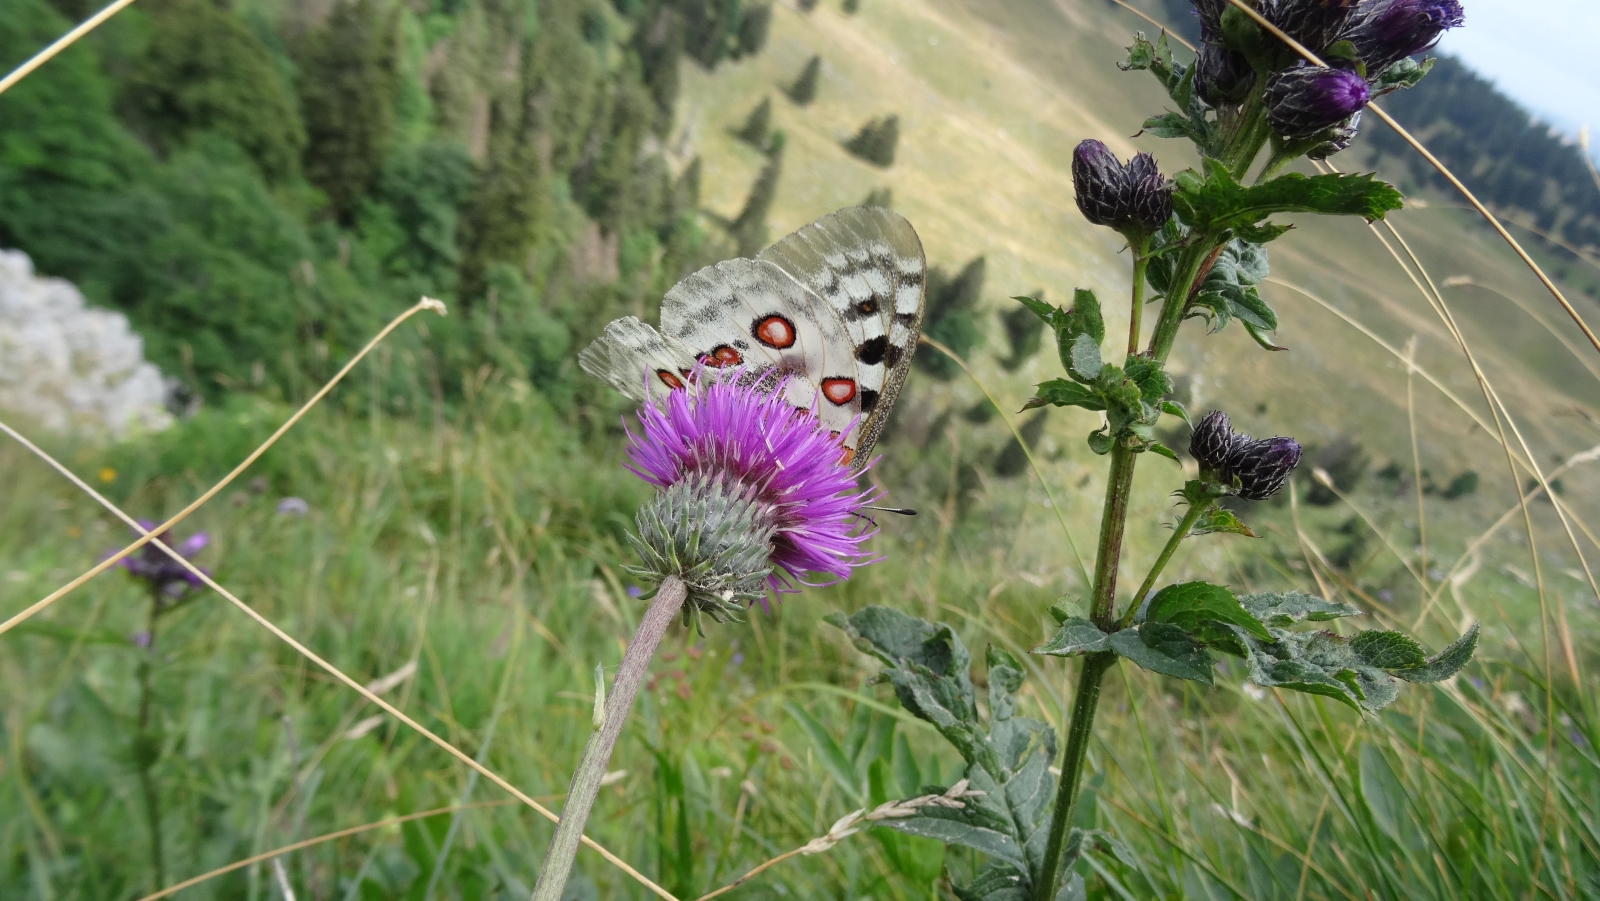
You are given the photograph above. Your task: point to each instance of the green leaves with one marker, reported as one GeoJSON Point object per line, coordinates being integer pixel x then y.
{"type": "Point", "coordinates": [1188, 604]}
{"type": "Point", "coordinates": [1007, 757]}
{"type": "Point", "coordinates": [1214, 201]}
{"type": "Point", "coordinates": [1166, 649]}
{"type": "Point", "coordinates": [1229, 291]}
{"type": "Point", "coordinates": [1358, 671]}
{"type": "Point", "coordinates": [1083, 319]}
{"type": "Point", "coordinates": [1076, 636]}
{"type": "Point", "coordinates": [1064, 393]}
{"type": "Point", "coordinates": [1283, 608]}
{"type": "Point", "coordinates": [1178, 80]}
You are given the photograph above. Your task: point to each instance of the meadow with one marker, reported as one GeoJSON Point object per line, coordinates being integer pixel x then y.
{"type": "Point", "coordinates": [464, 558]}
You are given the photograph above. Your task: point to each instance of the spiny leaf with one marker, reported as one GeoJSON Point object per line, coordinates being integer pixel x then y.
{"type": "Point", "coordinates": [1388, 650]}
{"type": "Point", "coordinates": [1213, 202]}
{"type": "Point", "coordinates": [1065, 393]}
{"type": "Point", "coordinates": [1446, 663]}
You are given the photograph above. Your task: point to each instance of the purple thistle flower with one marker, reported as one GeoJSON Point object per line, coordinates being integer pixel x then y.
{"type": "Point", "coordinates": [755, 493]}
{"type": "Point", "coordinates": [1387, 32]}
{"type": "Point", "coordinates": [162, 573]}
{"type": "Point", "coordinates": [293, 506]}
{"type": "Point", "coordinates": [1306, 100]}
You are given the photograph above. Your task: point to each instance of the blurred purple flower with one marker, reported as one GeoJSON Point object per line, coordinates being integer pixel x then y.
{"type": "Point", "coordinates": [293, 506]}
{"type": "Point", "coordinates": [635, 591]}
{"type": "Point", "coordinates": [163, 574]}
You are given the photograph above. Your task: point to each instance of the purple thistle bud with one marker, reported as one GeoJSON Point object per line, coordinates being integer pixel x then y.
{"type": "Point", "coordinates": [754, 493]}
{"type": "Point", "coordinates": [1256, 470]}
{"type": "Point", "coordinates": [1262, 467]}
{"type": "Point", "coordinates": [1306, 100]}
{"type": "Point", "coordinates": [1212, 442]}
{"type": "Point", "coordinates": [1135, 196]}
{"type": "Point", "coordinates": [1222, 75]}
{"type": "Point", "coordinates": [1314, 23]}
{"type": "Point", "coordinates": [1210, 13]}
{"type": "Point", "coordinates": [1097, 182]}
{"type": "Point", "coordinates": [1391, 31]}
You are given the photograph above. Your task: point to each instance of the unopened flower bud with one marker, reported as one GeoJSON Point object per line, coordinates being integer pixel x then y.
{"type": "Point", "coordinates": [1389, 32]}
{"type": "Point", "coordinates": [1097, 182]}
{"type": "Point", "coordinates": [1222, 75]}
{"type": "Point", "coordinates": [1262, 467]}
{"type": "Point", "coordinates": [1146, 193]}
{"type": "Point", "coordinates": [1212, 442]}
{"type": "Point", "coordinates": [1306, 100]}
{"type": "Point", "coordinates": [1118, 196]}
{"type": "Point", "coordinates": [1313, 23]}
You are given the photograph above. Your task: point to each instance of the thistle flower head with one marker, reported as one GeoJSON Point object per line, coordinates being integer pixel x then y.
{"type": "Point", "coordinates": [164, 575]}
{"type": "Point", "coordinates": [1305, 100]}
{"type": "Point", "coordinates": [754, 494]}
{"type": "Point", "coordinates": [1133, 196]}
{"type": "Point", "coordinates": [1391, 30]}
{"type": "Point", "coordinates": [1222, 75]}
{"type": "Point", "coordinates": [1313, 23]}
{"type": "Point", "coordinates": [1254, 469]}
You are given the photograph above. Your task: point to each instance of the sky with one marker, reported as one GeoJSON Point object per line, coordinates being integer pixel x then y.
{"type": "Point", "coordinates": [1540, 53]}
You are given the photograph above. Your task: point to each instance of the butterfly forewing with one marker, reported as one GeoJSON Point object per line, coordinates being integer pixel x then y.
{"type": "Point", "coordinates": [867, 263]}
{"type": "Point", "coordinates": [836, 308]}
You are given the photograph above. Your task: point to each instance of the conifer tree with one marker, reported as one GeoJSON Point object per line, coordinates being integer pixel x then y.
{"type": "Point", "coordinates": [951, 316]}
{"type": "Point", "coordinates": [660, 45]}
{"type": "Point", "coordinates": [1023, 333]}
{"type": "Point", "coordinates": [749, 230]}
{"type": "Point", "coordinates": [203, 70]}
{"type": "Point", "coordinates": [876, 141]}
{"type": "Point", "coordinates": [804, 89]}
{"type": "Point", "coordinates": [348, 81]}
{"type": "Point", "coordinates": [754, 129]}
{"type": "Point", "coordinates": [851, 7]}
{"type": "Point", "coordinates": [753, 28]}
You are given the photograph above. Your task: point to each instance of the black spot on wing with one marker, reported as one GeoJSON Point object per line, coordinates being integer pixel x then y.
{"type": "Point", "coordinates": [873, 350]}
{"type": "Point", "coordinates": [891, 356]}
{"type": "Point", "coordinates": [869, 400]}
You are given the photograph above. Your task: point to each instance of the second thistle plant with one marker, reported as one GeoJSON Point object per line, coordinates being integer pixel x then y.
{"type": "Point", "coordinates": [1198, 247]}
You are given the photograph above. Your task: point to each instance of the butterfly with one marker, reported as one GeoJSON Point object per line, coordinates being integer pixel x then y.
{"type": "Point", "coordinates": [834, 309]}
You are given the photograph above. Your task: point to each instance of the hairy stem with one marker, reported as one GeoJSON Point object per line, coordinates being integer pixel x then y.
{"type": "Point", "coordinates": [147, 745]}
{"type": "Point", "coordinates": [1180, 532]}
{"type": "Point", "coordinates": [1078, 733]}
{"type": "Point", "coordinates": [1112, 524]}
{"type": "Point", "coordinates": [586, 781]}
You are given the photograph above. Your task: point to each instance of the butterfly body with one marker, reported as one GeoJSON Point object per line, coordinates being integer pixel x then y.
{"type": "Point", "coordinates": [832, 312]}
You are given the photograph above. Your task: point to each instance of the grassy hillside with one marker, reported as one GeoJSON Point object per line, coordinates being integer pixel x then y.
{"type": "Point", "coordinates": [475, 548]}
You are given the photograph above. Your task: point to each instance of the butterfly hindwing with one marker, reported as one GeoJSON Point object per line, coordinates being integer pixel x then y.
{"type": "Point", "coordinates": [835, 308]}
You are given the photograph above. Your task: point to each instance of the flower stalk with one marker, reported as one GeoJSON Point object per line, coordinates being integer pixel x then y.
{"type": "Point", "coordinates": [146, 741]}
{"type": "Point", "coordinates": [1179, 532]}
{"type": "Point", "coordinates": [585, 785]}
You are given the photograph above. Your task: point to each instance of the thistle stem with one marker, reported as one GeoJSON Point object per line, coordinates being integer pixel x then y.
{"type": "Point", "coordinates": [1180, 532]}
{"type": "Point", "coordinates": [1112, 524]}
{"type": "Point", "coordinates": [1078, 734]}
{"type": "Point", "coordinates": [619, 701]}
{"type": "Point", "coordinates": [1141, 262]}
{"type": "Point", "coordinates": [146, 745]}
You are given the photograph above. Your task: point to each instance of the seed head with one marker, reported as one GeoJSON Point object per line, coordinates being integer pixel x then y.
{"type": "Point", "coordinates": [1305, 100]}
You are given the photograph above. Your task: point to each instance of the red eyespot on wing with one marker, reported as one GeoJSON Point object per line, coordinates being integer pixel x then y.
{"type": "Point", "coordinates": [849, 454]}
{"type": "Point", "coordinates": [722, 355]}
{"type": "Point", "coordinates": [670, 380]}
{"type": "Point", "coordinates": [839, 391]}
{"type": "Point", "coordinates": [774, 331]}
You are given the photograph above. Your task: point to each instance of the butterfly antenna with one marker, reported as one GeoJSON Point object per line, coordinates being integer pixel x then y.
{"type": "Point", "coordinates": [903, 511]}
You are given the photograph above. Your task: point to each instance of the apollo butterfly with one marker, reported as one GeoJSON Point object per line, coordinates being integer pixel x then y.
{"type": "Point", "coordinates": [835, 309]}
